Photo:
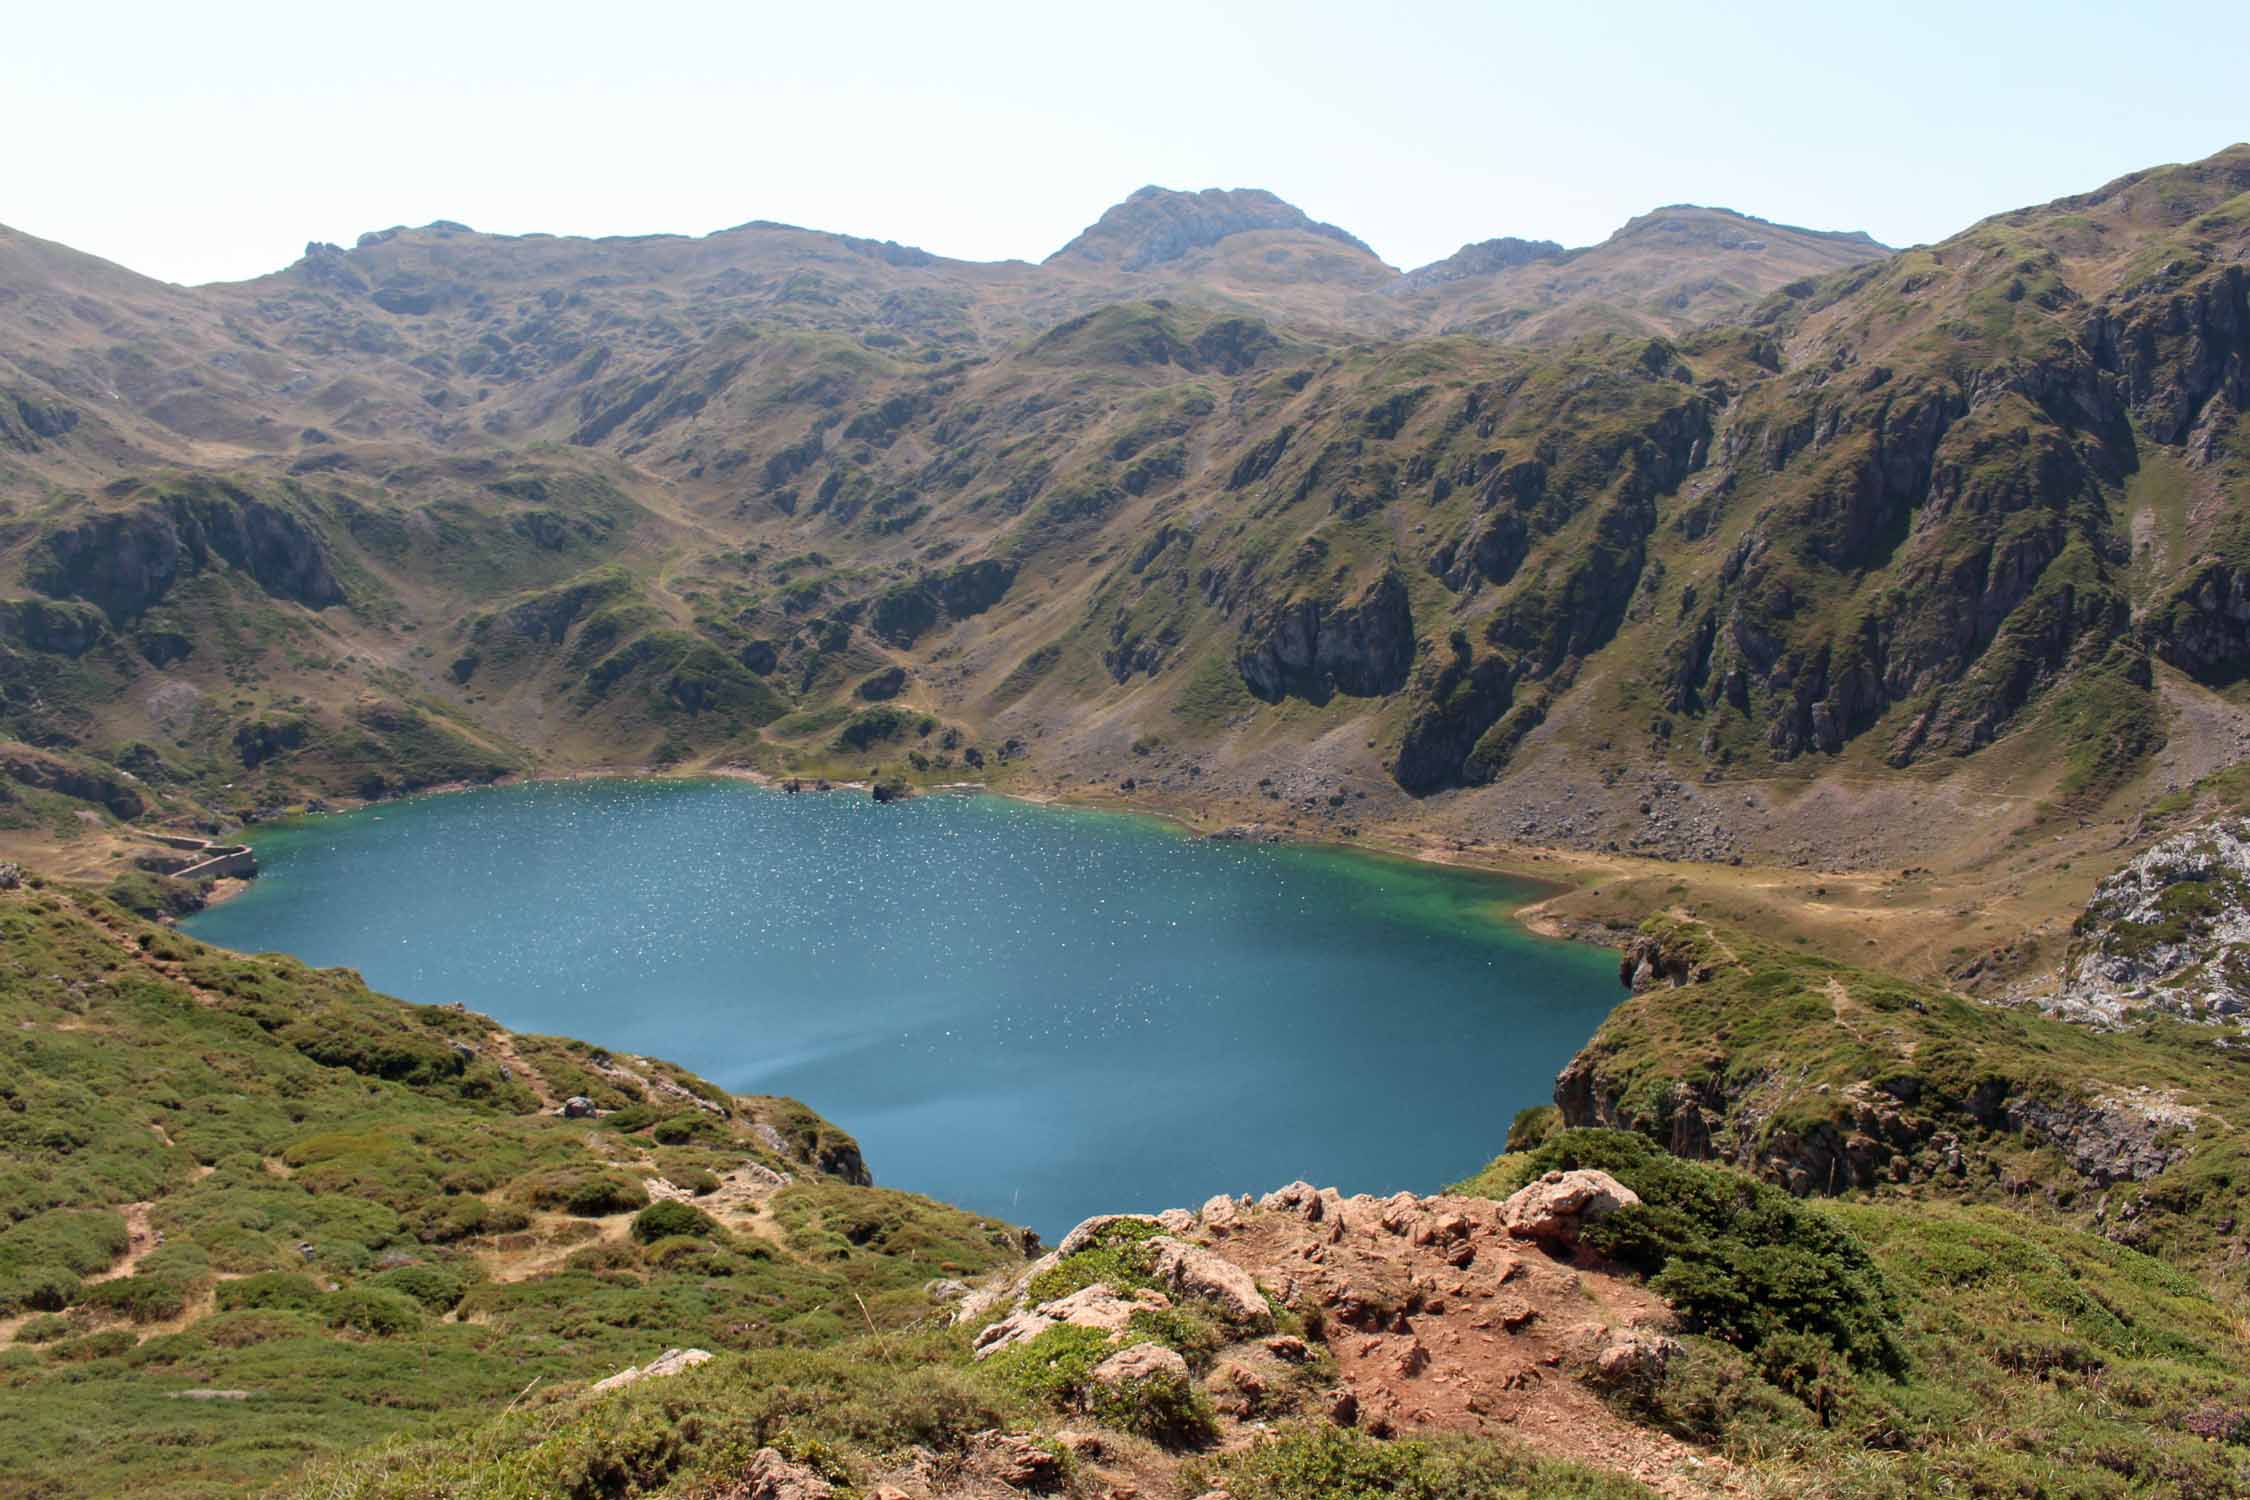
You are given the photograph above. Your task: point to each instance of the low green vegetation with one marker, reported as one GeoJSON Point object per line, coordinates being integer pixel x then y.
{"type": "Point", "coordinates": [1328, 1463]}
{"type": "Point", "coordinates": [365, 1228]}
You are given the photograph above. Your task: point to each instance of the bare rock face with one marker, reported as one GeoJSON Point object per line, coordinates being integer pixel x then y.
{"type": "Point", "coordinates": [2170, 931]}
{"type": "Point", "coordinates": [1553, 1210]}
{"type": "Point", "coordinates": [125, 561]}
{"type": "Point", "coordinates": [1649, 961]}
{"type": "Point", "coordinates": [1313, 649]}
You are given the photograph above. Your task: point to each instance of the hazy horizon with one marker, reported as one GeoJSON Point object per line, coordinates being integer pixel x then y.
{"type": "Point", "coordinates": [213, 145]}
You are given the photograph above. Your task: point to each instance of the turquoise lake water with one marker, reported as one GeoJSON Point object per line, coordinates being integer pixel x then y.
{"type": "Point", "coordinates": [1031, 1012]}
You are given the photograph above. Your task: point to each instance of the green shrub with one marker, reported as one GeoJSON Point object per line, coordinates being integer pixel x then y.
{"type": "Point", "coordinates": [695, 1180]}
{"type": "Point", "coordinates": [688, 1255]}
{"type": "Point", "coordinates": [1117, 1256]}
{"type": "Point", "coordinates": [1164, 1409]}
{"type": "Point", "coordinates": [43, 1258]}
{"type": "Point", "coordinates": [670, 1217]}
{"type": "Point", "coordinates": [46, 1288]}
{"type": "Point", "coordinates": [43, 1329]}
{"type": "Point", "coordinates": [606, 1256]}
{"type": "Point", "coordinates": [268, 1289]}
{"type": "Point", "coordinates": [1531, 1127]}
{"type": "Point", "coordinates": [153, 896]}
{"type": "Point", "coordinates": [108, 1344]}
{"type": "Point", "coordinates": [694, 1125]}
{"type": "Point", "coordinates": [443, 1220]}
{"type": "Point", "coordinates": [144, 1299]}
{"type": "Point", "coordinates": [438, 1288]}
{"type": "Point", "coordinates": [370, 1310]}
{"type": "Point", "coordinates": [1333, 1463]}
{"type": "Point", "coordinates": [1737, 1258]}
{"type": "Point", "coordinates": [1053, 1369]}
{"type": "Point", "coordinates": [1190, 1331]}
{"type": "Point", "coordinates": [589, 1195]}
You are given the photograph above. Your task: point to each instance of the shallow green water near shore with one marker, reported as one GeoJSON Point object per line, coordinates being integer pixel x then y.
{"type": "Point", "coordinates": [1029, 1011]}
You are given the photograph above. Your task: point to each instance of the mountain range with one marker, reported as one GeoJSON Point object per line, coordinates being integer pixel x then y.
{"type": "Point", "coordinates": [1712, 494]}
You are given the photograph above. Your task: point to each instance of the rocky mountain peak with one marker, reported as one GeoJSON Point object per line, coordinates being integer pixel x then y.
{"type": "Point", "coordinates": [1724, 229]}
{"type": "Point", "coordinates": [1484, 258]}
{"type": "Point", "coordinates": [1158, 224]}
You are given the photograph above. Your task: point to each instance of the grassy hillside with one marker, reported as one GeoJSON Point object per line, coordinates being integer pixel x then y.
{"type": "Point", "coordinates": [353, 1217]}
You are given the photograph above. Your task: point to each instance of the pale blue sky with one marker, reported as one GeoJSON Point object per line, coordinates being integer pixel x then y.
{"type": "Point", "coordinates": [199, 142]}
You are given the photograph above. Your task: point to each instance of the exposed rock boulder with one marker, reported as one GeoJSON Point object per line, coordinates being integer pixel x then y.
{"type": "Point", "coordinates": [670, 1362]}
{"type": "Point", "coordinates": [2170, 931]}
{"type": "Point", "coordinates": [1192, 1271]}
{"type": "Point", "coordinates": [1555, 1209]}
{"type": "Point", "coordinates": [1635, 1361]}
{"type": "Point", "coordinates": [1141, 1362]}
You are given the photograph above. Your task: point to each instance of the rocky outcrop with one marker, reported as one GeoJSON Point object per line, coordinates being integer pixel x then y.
{"type": "Point", "coordinates": [1914, 1119]}
{"type": "Point", "coordinates": [125, 561]}
{"type": "Point", "coordinates": [1650, 960]}
{"type": "Point", "coordinates": [902, 615]}
{"type": "Point", "coordinates": [881, 687]}
{"type": "Point", "coordinates": [27, 767]}
{"type": "Point", "coordinates": [2179, 341]}
{"type": "Point", "coordinates": [1314, 649]}
{"type": "Point", "coordinates": [1096, 1307]}
{"type": "Point", "coordinates": [2120, 1138]}
{"type": "Point", "coordinates": [1463, 699]}
{"type": "Point", "coordinates": [770, 1476]}
{"type": "Point", "coordinates": [2170, 931]}
{"type": "Point", "coordinates": [2203, 626]}
{"type": "Point", "coordinates": [53, 625]}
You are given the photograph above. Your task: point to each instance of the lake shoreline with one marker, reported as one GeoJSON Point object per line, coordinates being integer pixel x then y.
{"type": "Point", "coordinates": [1123, 976]}
{"type": "Point", "coordinates": [1532, 914]}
